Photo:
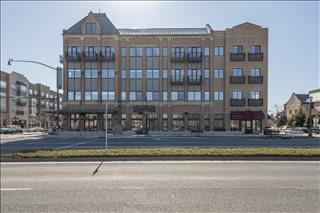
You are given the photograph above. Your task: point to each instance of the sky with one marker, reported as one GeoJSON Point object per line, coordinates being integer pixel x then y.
{"type": "Point", "coordinates": [33, 31]}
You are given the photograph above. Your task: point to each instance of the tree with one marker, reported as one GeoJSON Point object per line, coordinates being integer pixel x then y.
{"type": "Point", "coordinates": [282, 120]}
{"type": "Point", "coordinates": [299, 119]}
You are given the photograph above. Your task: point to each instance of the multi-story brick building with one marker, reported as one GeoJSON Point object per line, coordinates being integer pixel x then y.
{"type": "Point", "coordinates": [26, 104]}
{"type": "Point", "coordinates": [189, 78]}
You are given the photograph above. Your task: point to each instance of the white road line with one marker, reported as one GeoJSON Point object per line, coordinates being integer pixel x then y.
{"type": "Point", "coordinates": [15, 189]}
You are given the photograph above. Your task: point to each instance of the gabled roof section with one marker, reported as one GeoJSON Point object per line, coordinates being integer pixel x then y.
{"type": "Point", "coordinates": [107, 27]}
{"type": "Point", "coordinates": [164, 31]}
{"type": "Point", "coordinates": [246, 24]}
{"type": "Point", "coordinates": [302, 97]}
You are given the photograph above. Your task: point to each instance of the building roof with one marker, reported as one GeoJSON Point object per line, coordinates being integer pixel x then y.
{"type": "Point", "coordinates": [164, 31]}
{"type": "Point", "coordinates": [106, 25]}
{"type": "Point", "coordinates": [302, 97]}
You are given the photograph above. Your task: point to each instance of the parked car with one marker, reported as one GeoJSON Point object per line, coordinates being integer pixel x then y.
{"type": "Point", "coordinates": [14, 129]}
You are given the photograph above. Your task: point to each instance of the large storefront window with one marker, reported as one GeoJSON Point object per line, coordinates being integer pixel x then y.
{"type": "Point", "coordinates": [165, 122]}
{"type": "Point", "coordinates": [206, 122]}
{"type": "Point", "coordinates": [109, 121]}
{"type": "Point", "coordinates": [74, 122]}
{"type": "Point", "coordinates": [152, 121]}
{"type": "Point", "coordinates": [136, 121]}
{"type": "Point", "coordinates": [124, 121]}
{"type": "Point", "coordinates": [219, 122]}
{"type": "Point", "coordinates": [90, 122]}
{"type": "Point", "coordinates": [177, 122]}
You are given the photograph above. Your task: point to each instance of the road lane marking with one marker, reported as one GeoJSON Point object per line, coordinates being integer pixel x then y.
{"type": "Point", "coordinates": [15, 189]}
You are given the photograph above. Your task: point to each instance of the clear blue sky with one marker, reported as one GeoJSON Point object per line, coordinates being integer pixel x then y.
{"type": "Point", "coordinates": [32, 30]}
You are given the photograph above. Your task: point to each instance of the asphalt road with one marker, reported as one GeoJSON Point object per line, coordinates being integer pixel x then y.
{"type": "Point", "coordinates": [51, 142]}
{"type": "Point", "coordinates": [171, 186]}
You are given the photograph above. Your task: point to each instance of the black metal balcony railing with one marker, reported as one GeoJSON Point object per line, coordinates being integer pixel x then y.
{"type": "Point", "coordinates": [72, 56]}
{"type": "Point", "coordinates": [237, 79]}
{"type": "Point", "coordinates": [194, 57]}
{"type": "Point", "coordinates": [237, 102]}
{"type": "Point", "coordinates": [177, 81]}
{"type": "Point", "coordinates": [177, 58]}
{"type": "Point", "coordinates": [90, 56]}
{"type": "Point", "coordinates": [237, 56]}
{"type": "Point", "coordinates": [255, 102]}
{"type": "Point", "coordinates": [255, 79]}
{"type": "Point", "coordinates": [106, 56]}
{"type": "Point", "coordinates": [255, 56]}
{"type": "Point", "coordinates": [192, 80]}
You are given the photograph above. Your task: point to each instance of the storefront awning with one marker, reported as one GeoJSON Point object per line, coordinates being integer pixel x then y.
{"type": "Point", "coordinates": [247, 115]}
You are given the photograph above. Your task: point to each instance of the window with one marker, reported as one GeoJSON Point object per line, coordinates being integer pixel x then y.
{"type": "Point", "coordinates": [177, 96]}
{"type": "Point", "coordinates": [123, 51]}
{"type": "Point", "coordinates": [90, 51]}
{"type": "Point", "coordinates": [237, 72]}
{"type": "Point", "coordinates": [255, 49]}
{"type": "Point", "coordinates": [74, 122]}
{"type": "Point", "coordinates": [74, 73]}
{"type": "Point", "coordinates": [255, 72]}
{"type": "Point", "coordinates": [73, 51]}
{"type": "Point", "coordinates": [194, 51]}
{"type": "Point", "coordinates": [207, 51]}
{"type": "Point", "coordinates": [3, 84]}
{"type": "Point", "coordinates": [207, 96]}
{"type": "Point", "coordinates": [218, 95]}
{"type": "Point", "coordinates": [194, 96]}
{"type": "Point", "coordinates": [219, 51]}
{"type": "Point", "coordinates": [123, 96]}
{"type": "Point", "coordinates": [165, 96]}
{"type": "Point", "coordinates": [91, 73]}
{"type": "Point", "coordinates": [90, 122]}
{"type": "Point", "coordinates": [108, 95]}
{"type": "Point", "coordinates": [74, 95]}
{"type": "Point", "coordinates": [177, 52]}
{"type": "Point", "coordinates": [164, 73]}
{"type": "Point", "coordinates": [107, 51]}
{"type": "Point", "coordinates": [136, 51]}
{"type": "Point", "coordinates": [123, 74]}
{"type": "Point", "coordinates": [91, 28]}
{"type": "Point", "coordinates": [174, 96]}
{"type": "Point", "coordinates": [255, 94]}
{"type": "Point", "coordinates": [136, 74]}
{"type": "Point", "coordinates": [237, 94]}
{"type": "Point", "coordinates": [107, 73]}
{"type": "Point", "coordinates": [152, 74]}
{"type": "Point", "coordinates": [177, 75]}
{"type": "Point", "coordinates": [135, 96]}
{"type": "Point", "coordinates": [152, 96]}
{"type": "Point", "coordinates": [152, 51]}
{"type": "Point", "coordinates": [237, 49]}
{"type": "Point", "coordinates": [91, 95]}
{"type": "Point", "coordinates": [218, 73]}
{"type": "Point", "coordinates": [30, 91]}
{"type": "Point", "coordinates": [206, 73]}
{"type": "Point", "coordinates": [194, 75]}
{"type": "Point", "coordinates": [164, 51]}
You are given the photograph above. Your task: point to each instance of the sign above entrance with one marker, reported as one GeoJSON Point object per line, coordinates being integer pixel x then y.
{"type": "Point", "coordinates": [144, 108]}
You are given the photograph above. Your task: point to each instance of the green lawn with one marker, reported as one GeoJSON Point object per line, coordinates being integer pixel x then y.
{"type": "Point", "coordinates": [166, 152]}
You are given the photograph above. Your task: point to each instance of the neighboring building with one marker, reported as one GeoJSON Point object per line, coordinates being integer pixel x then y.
{"type": "Point", "coordinates": [190, 78]}
{"type": "Point", "coordinates": [26, 104]}
{"type": "Point", "coordinates": [315, 94]}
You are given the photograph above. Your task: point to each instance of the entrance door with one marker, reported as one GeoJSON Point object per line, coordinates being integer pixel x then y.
{"type": "Point", "coordinates": [246, 126]}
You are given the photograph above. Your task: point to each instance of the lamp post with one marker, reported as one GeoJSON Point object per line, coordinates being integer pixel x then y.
{"type": "Point", "coordinates": [310, 116]}
{"type": "Point", "coordinates": [59, 76]}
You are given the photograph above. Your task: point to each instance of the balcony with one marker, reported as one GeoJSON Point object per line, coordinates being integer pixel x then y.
{"type": "Point", "coordinates": [90, 56]}
{"type": "Point", "coordinates": [72, 56]}
{"type": "Point", "coordinates": [237, 79]}
{"type": "Point", "coordinates": [237, 102]}
{"type": "Point", "coordinates": [237, 57]}
{"type": "Point", "coordinates": [255, 102]}
{"type": "Point", "coordinates": [255, 79]}
{"type": "Point", "coordinates": [255, 56]}
{"type": "Point", "coordinates": [106, 56]}
{"type": "Point", "coordinates": [193, 81]}
{"type": "Point", "coordinates": [194, 57]}
{"type": "Point", "coordinates": [177, 58]}
{"type": "Point", "coordinates": [177, 81]}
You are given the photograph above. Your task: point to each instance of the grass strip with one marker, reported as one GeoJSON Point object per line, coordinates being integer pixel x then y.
{"type": "Point", "coordinates": [146, 152]}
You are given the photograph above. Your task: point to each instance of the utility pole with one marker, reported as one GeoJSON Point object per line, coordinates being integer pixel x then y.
{"type": "Point", "coordinates": [310, 116]}
{"type": "Point", "coordinates": [106, 117]}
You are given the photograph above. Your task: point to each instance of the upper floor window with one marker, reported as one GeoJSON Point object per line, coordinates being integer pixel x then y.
{"type": "Point", "coordinates": [135, 73]}
{"type": "Point", "coordinates": [90, 50]}
{"type": "Point", "coordinates": [123, 74]}
{"type": "Point", "coordinates": [152, 51]}
{"type": "Point", "coordinates": [107, 51]}
{"type": "Point", "coordinates": [3, 84]}
{"type": "Point", "coordinates": [218, 95]}
{"type": "Point", "coordinates": [194, 74]}
{"type": "Point", "coordinates": [164, 51]}
{"type": "Point", "coordinates": [237, 49]}
{"type": "Point", "coordinates": [219, 51]}
{"type": "Point", "coordinates": [91, 28]}
{"type": "Point", "coordinates": [107, 95]}
{"type": "Point", "coordinates": [91, 71]}
{"type": "Point", "coordinates": [73, 50]}
{"type": "Point", "coordinates": [194, 51]}
{"type": "Point", "coordinates": [154, 74]}
{"type": "Point", "coordinates": [194, 96]}
{"type": "Point", "coordinates": [207, 51]}
{"type": "Point", "coordinates": [91, 95]}
{"type": "Point", "coordinates": [255, 49]}
{"type": "Point", "coordinates": [135, 96]}
{"type": "Point", "coordinates": [74, 73]}
{"type": "Point", "coordinates": [255, 94]}
{"type": "Point", "coordinates": [152, 96]}
{"type": "Point", "coordinates": [164, 73]}
{"type": "Point", "coordinates": [107, 73]}
{"type": "Point", "coordinates": [177, 75]}
{"type": "Point", "coordinates": [123, 51]}
{"type": "Point", "coordinates": [136, 51]}
{"type": "Point", "coordinates": [255, 72]}
{"type": "Point", "coordinates": [237, 94]}
{"type": "Point", "coordinates": [237, 72]}
{"type": "Point", "coordinates": [218, 73]}
{"type": "Point", "coordinates": [177, 52]}
{"type": "Point", "coordinates": [73, 96]}
{"type": "Point", "coordinates": [206, 73]}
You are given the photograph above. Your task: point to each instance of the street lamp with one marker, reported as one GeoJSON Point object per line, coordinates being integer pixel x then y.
{"type": "Point", "coordinates": [59, 79]}
{"type": "Point", "coordinates": [310, 116]}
